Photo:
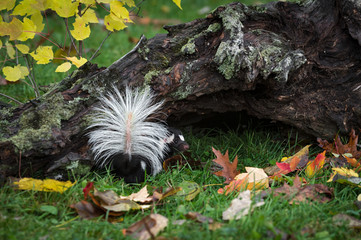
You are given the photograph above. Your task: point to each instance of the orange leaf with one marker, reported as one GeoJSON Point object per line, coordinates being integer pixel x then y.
{"type": "Point", "coordinates": [235, 185]}
{"type": "Point", "coordinates": [229, 170]}
{"type": "Point", "coordinates": [315, 165]}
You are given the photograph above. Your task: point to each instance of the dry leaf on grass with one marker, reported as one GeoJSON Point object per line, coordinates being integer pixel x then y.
{"type": "Point", "coordinates": [229, 170]}
{"type": "Point", "coordinates": [296, 193]}
{"type": "Point", "coordinates": [241, 206]}
{"type": "Point", "coordinates": [147, 228]}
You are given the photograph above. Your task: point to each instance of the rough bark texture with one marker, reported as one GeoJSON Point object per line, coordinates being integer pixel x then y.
{"type": "Point", "coordinates": [297, 63]}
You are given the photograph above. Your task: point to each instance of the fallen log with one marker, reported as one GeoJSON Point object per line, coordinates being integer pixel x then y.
{"type": "Point", "coordinates": [296, 63]}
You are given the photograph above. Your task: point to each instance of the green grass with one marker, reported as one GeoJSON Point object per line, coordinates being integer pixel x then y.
{"type": "Point", "coordinates": [21, 216]}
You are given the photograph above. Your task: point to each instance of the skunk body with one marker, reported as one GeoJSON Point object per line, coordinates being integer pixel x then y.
{"type": "Point", "coordinates": [123, 136]}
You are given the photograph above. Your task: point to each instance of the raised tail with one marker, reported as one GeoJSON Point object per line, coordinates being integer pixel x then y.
{"type": "Point", "coordinates": [125, 124]}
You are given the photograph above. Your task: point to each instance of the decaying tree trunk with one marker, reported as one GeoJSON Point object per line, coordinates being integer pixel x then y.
{"type": "Point", "coordinates": [297, 63]}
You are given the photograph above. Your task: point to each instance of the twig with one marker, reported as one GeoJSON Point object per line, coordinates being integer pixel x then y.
{"type": "Point", "coordinates": [71, 38]}
{"type": "Point", "coordinates": [100, 46]}
{"type": "Point", "coordinates": [31, 78]}
{"type": "Point", "coordinates": [13, 99]}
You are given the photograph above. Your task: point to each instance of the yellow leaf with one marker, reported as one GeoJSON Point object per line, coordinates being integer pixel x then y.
{"type": "Point", "coordinates": [13, 74]}
{"type": "Point", "coordinates": [118, 10]}
{"type": "Point", "coordinates": [47, 185]}
{"type": "Point", "coordinates": [130, 3]}
{"type": "Point", "coordinates": [10, 50]}
{"type": "Point", "coordinates": [1, 44]}
{"type": "Point", "coordinates": [87, 2]}
{"type": "Point", "coordinates": [63, 67]}
{"type": "Point", "coordinates": [25, 7]}
{"type": "Point", "coordinates": [178, 3]}
{"type": "Point", "coordinates": [90, 17]}
{"type": "Point", "coordinates": [81, 29]}
{"type": "Point", "coordinates": [77, 62]}
{"type": "Point", "coordinates": [64, 8]}
{"type": "Point", "coordinates": [37, 18]}
{"type": "Point", "coordinates": [344, 172]}
{"type": "Point", "coordinates": [113, 24]}
{"type": "Point", "coordinates": [43, 54]}
{"type": "Point", "coordinates": [29, 29]}
{"type": "Point", "coordinates": [22, 48]}
{"type": "Point", "coordinates": [7, 4]}
{"type": "Point", "coordinates": [13, 29]}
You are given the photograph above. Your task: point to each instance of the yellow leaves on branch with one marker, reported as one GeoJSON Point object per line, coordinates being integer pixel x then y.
{"type": "Point", "coordinates": [77, 62]}
{"type": "Point", "coordinates": [67, 65]}
{"type": "Point", "coordinates": [81, 29]}
{"type": "Point", "coordinates": [43, 54]}
{"type": "Point", "coordinates": [13, 74]}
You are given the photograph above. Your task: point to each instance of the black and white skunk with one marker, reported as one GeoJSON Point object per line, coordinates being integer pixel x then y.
{"type": "Point", "coordinates": [126, 135]}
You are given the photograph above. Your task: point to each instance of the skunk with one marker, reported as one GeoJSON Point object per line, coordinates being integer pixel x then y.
{"type": "Point", "coordinates": [125, 135]}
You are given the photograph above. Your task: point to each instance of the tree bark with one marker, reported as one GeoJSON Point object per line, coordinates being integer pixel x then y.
{"type": "Point", "coordinates": [296, 63]}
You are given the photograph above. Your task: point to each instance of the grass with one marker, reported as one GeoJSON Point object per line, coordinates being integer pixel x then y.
{"type": "Point", "coordinates": [26, 214]}
{"type": "Point", "coordinates": [22, 217]}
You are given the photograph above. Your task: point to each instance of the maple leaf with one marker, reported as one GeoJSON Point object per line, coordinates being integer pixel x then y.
{"type": "Point", "coordinates": [338, 148]}
{"type": "Point", "coordinates": [229, 170]}
{"type": "Point", "coordinates": [315, 165]}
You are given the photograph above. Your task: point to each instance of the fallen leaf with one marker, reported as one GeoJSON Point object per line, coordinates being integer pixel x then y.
{"type": "Point", "coordinates": [142, 196]}
{"type": "Point", "coordinates": [296, 193]}
{"type": "Point", "coordinates": [87, 210]}
{"type": "Point", "coordinates": [147, 228]}
{"type": "Point", "coordinates": [339, 148]}
{"type": "Point", "coordinates": [349, 221]}
{"type": "Point", "coordinates": [241, 206]}
{"type": "Point", "coordinates": [302, 160]}
{"type": "Point", "coordinates": [316, 165]}
{"type": "Point", "coordinates": [256, 178]}
{"type": "Point", "coordinates": [47, 185]}
{"type": "Point", "coordinates": [189, 190]}
{"type": "Point", "coordinates": [199, 217]}
{"type": "Point", "coordinates": [229, 170]}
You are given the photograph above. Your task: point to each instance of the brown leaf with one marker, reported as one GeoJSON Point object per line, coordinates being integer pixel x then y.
{"type": "Point", "coordinates": [148, 227]}
{"type": "Point", "coordinates": [87, 210]}
{"type": "Point", "coordinates": [297, 193]}
{"type": "Point", "coordinates": [229, 170]}
{"type": "Point", "coordinates": [338, 148]}
{"type": "Point", "coordinates": [199, 217]}
{"type": "Point", "coordinates": [181, 160]}
{"type": "Point", "coordinates": [341, 219]}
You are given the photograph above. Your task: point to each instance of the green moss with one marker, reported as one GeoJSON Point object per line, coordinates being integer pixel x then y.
{"type": "Point", "coordinates": [189, 48]}
{"type": "Point", "coordinates": [148, 77]}
{"type": "Point", "coordinates": [36, 125]}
